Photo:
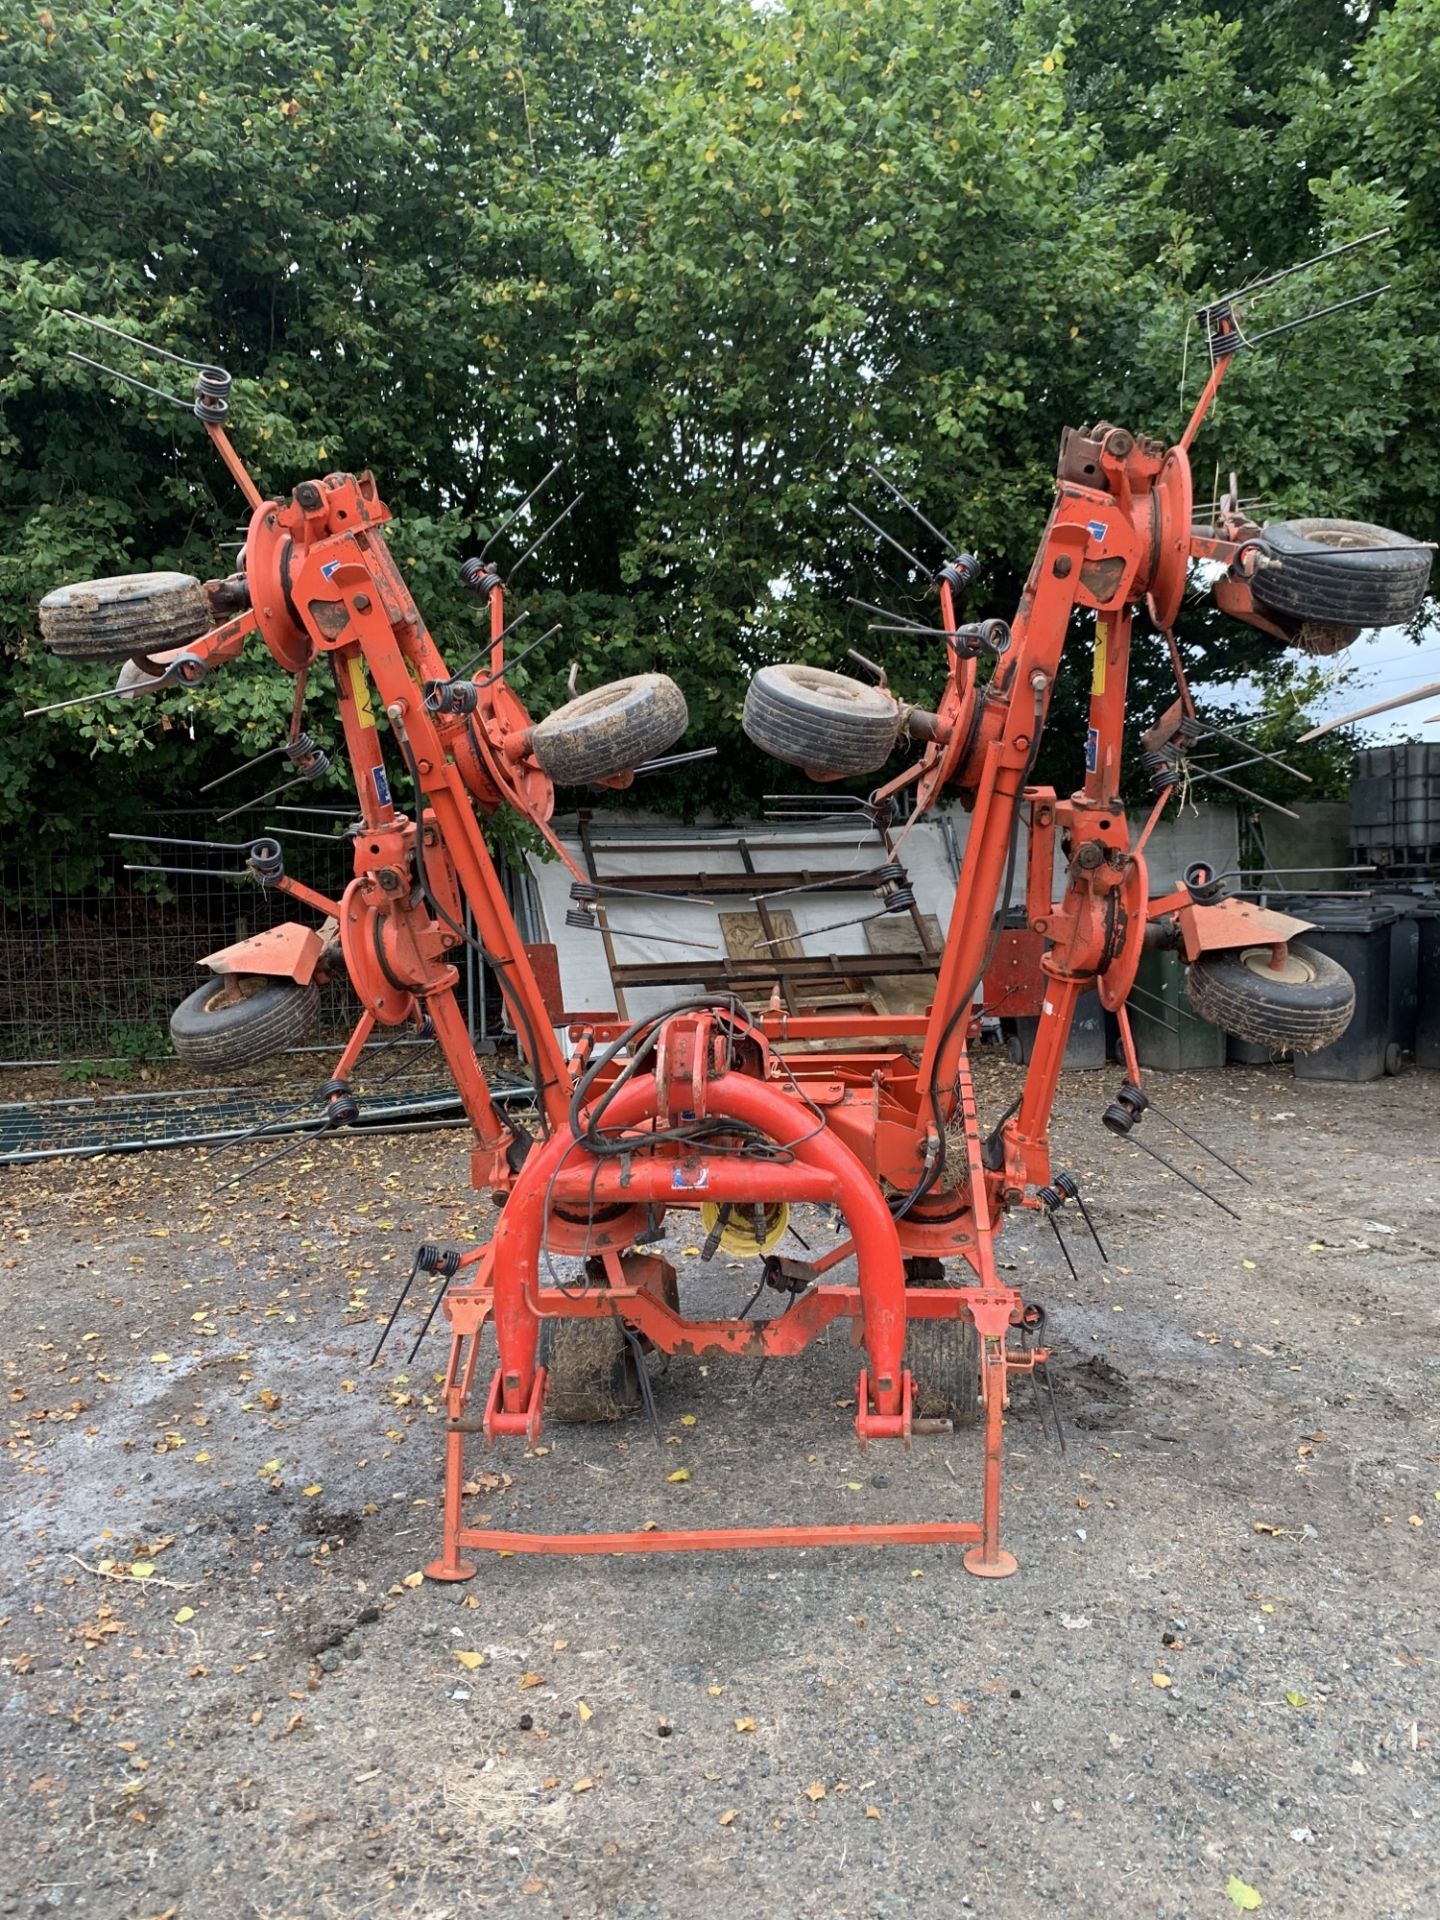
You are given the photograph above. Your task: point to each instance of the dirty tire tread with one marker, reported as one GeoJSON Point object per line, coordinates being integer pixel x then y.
{"type": "Point", "coordinates": [1314, 580]}
{"type": "Point", "coordinates": [1297, 1019]}
{"type": "Point", "coordinates": [590, 1372]}
{"type": "Point", "coordinates": [132, 614]}
{"type": "Point", "coordinates": [944, 1361]}
{"type": "Point", "coordinates": [808, 717]}
{"type": "Point", "coordinates": [610, 729]}
{"type": "Point", "coordinates": [281, 1014]}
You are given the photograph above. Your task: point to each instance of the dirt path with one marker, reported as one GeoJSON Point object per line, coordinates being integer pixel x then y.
{"type": "Point", "coordinates": [1218, 1658]}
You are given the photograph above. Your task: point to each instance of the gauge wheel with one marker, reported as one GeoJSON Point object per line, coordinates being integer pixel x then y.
{"type": "Point", "coordinates": [129, 617]}
{"type": "Point", "coordinates": [236, 1019]}
{"type": "Point", "coordinates": [1304, 1004]}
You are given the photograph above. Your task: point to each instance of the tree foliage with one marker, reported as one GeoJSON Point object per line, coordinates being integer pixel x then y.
{"type": "Point", "coordinates": [715, 258]}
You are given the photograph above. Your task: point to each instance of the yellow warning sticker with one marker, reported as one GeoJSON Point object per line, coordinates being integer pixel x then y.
{"type": "Point", "coordinates": [360, 687]}
{"type": "Point", "coordinates": [1102, 645]}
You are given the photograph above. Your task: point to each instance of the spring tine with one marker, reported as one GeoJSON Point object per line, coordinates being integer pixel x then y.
{"type": "Point", "coordinates": [1320, 313]}
{"type": "Point", "coordinates": [536, 545]}
{"type": "Point", "coordinates": [663, 939]}
{"type": "Point", "coordinates": [463, 673]}
{"type": "Point", "coordinates": [208, 873]}
{"type": "Point", "coordinates": [1085, 1216]}
{"type": "Point", "coordinates": [249, 806]}
{"type": "Point", "coordinates": [1054, 1406]}
{"type": "Point", "coordinates": [523, 655]}
{"type": "Point", "coordinates": [173, 840]}
{"type": "Point", "coordinates": [1256, 757]}
{"type": "Point", "coordinates": [1031, 1370]}
{"type": "Point", "coordinates": [80, 700]}
{"type": "Point", "coordinates": [1154, 1155]}
{"type": "Point", "coordinates": [865, 607]}
{"type": "Point", "coordinates": [880, 626]}
{"type": "Point", "coordinates": [860, 920]}
{"type": "Point", "coordinates": [1060, 1241]}
{"type": "Point", "coordinates": [1171, 1121]}
{"type": "Point", "coordinates": [434, 1309]}
{"type": "Point", "coordinates": [875, 527]}
{"type": "Point", "coordinates": [1331, 253]}
{"type": "Point", "coordinates": [911, 507]}
{"type": "Point", "coordinates": [1237, 740]}
{"type": "Point", "coordinates": [270, 753]}
{"type": "Point", "coordinates": [1258, 798]}
{"type": "Point", "coordinates": [142, 386]}
{"type": "Point", "coordinates": [154, 352]}
{"type": "Point", "coordinates": [400, 1299]}
{"type": "Point", "coordinates": [248, 1173]}
{"type": "Point", "coordinates": [515, 512]}
{"type": "Point", "coordinates": [669, 760]}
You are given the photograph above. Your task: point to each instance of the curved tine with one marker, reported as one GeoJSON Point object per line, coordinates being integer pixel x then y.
{"type": "Point", "coordinates": [910, 507]}
{"type": "Point", "coordinates": [515, 512]}
{"type": "Point", "coordinates": [130, 381]}
{"type": "Point", "coordinates": [158, 353]}
{"type": "Point", "coordinates": [875, 527]}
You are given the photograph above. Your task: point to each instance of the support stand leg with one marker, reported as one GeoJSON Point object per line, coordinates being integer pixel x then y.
{"type": "Point", "coordinates": [450, 1566]}
{"type": "Point", "coordinates": [990, 1561]}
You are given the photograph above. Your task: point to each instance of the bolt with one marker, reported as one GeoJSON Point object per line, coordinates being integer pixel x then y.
{"type": "Point", "coordinates": [362, 603]}
{"type": "Point", "coordinates": [1062, 566]}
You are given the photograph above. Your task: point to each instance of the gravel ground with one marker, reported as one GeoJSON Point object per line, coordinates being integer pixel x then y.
{"type": "Point", "coordinates": [1213, 1673]}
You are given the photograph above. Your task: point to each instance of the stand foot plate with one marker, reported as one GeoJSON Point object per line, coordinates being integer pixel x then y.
{"type": "Point", "coordinates": [998, 1568]}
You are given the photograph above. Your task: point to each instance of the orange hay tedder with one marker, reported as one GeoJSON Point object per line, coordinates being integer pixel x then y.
{"type": "Point", "coordinates": [709, 1108]}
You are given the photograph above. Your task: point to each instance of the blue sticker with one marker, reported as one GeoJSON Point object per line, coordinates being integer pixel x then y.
{"type": "Point", "coordinates": [1092, 748]}
{"type": "Point", "coordinates": [382, 786]}
{"type": "Point", "coordinates": [331, 567]}
{"type": "Point", "coordinates": [1097, 529]}
{"type": "Point", "coordinates": [686, 1179]}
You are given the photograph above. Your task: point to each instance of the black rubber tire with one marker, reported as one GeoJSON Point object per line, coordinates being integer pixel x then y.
{"type": "Point", "coordinates": [610, 729]}
{"type": "Point", "coordinates": [591, 1371]}
{"type": "Point", "coordinates": [825, 722]}
{"type": "Point", "coordinates": [1345, 573]}
{"type": "Point", "coordinates": [133, 614]}
{"type": "Point", "coordinates": [274, 1014]}
{"type": "Point", "coordinates": [1240, 993]}
{"type": "Point", "coordinates": [944, 1361]}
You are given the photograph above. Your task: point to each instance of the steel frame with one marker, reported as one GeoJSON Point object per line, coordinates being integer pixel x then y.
{"type": "Point", "coordinates": [732, 1108]}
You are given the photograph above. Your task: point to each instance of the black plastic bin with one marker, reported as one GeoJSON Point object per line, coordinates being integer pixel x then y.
{"type": "Point", "coordinates": [1357, 931]}
{"type": "Point", "coordinates": [1427, 973]}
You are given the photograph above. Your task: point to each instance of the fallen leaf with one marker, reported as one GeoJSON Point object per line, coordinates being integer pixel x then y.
{"type": "Point", "coordinates": [532, 1885]}
{"type": "Point", "coordinates": [745, 1726]}
{"type": "Point", "coordinates": [680, 1473]}
{"type": "Point", "coordinates": [270, 1466]}
{"type": "Point", "coordinates": [185, 1613]}
{"type": "Point", "coordinates": [585, 1713]}
{"type": "Point", "coordinates": [142, 1569]}
{"type": "Point", "coordinates": [1264, 1526]}
{"type": "Point", "coordinates": [470, 1661]}
{"type": "Point", "coordinates": [815, 1790]}
{"type": "Point", "coordinates": [531, 1680]}
{"type": "Point", "coordinates": [729, 1817]}
{"type": "Point", "coordinates": [583, 1785]}
{"type": "Point", "coordinates": [268, 1399]}
{"type": "Point", "coordinates": [413, 1580]}
{"type": "Point", "coordinates": [160, 1359]}
{"type": "Point", "coordinates": [1294, 1699]}
{"type": "Point", "coordinates": [872, 1813]}
{"type": "Point", "coordinates": [715, 1692]}
{"type": "Point", "coordinates": [1246, 1898]}
{"type": "Point", "coordinates": [559, 1646]}
{"type": "Point", "coordinates": [1161, 1680]}
{"type": "Point", "coordinates": [687, 1419]}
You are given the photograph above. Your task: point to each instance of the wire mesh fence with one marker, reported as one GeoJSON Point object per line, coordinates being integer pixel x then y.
{"type": "Point", "coordinates": [94, 955]}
